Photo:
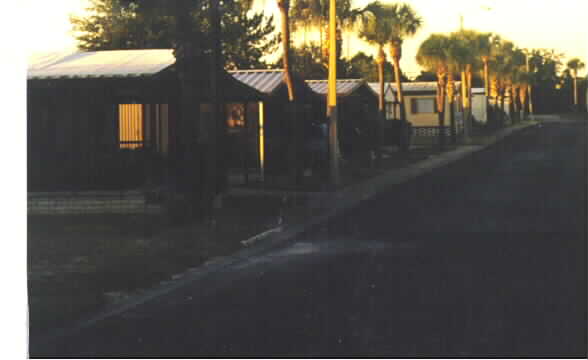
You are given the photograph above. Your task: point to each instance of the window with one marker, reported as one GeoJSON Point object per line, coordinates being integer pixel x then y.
{"type": "Point", "coordinates": [130, 126]}
{"type": "Point", "coordinates": [235, 115]}
{"type": "Point", "coordinates": [143, 125]}
{"type": "Point", "coordinates": [423, 105]}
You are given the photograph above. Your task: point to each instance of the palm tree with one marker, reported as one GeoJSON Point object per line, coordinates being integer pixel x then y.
{"type": "Point", "coordinates": [284, 6]}
{"type": "Point", "coordinates": [502, 67]}
{"type": "Point", "coordinates": [454, 63]}
{"type": "Point", "coordinates": [314, 14]}
{"type": "Point", "coordinates": [483, 45]}
{"type": "Point", "coordinates": [523, 80]}
{"type": "Point", "coordinates": [294, 148]}
{"type": "Point", "coordinates": [432, 55]}
{"type": "Point", "coordinates": [404, 23]}
{"type": "Point", "coordinates": [575, 65]}
{"type": "Point", "coordinates": [375, 30]}
{"type": "Point", "coordinates": [480, 48]}
{"type": "Point", "coordinates": [518, 68]}
{"type": "Point", "coordinates": [463, 57]}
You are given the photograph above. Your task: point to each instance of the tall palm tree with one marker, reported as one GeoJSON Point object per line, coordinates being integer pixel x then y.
{"type": "Point", "coordinates": [483, 45]}
{"type": "Point", "coordinates": [284, 6]}
{"type": "Point", "coordinates": [294, 148]}
{"type": "Point", "coordinates": [314, 14]}
{"type": "Point", "coordinates": [432, 55]}
{"type": "Point", "coordinates": [502, 67]}
{"type": "Point", "coordinates": [404, 23]}
{"type": "Point", "coordinates": [375, 30]}
{"type": "Point", "coordinates": [453, 53]}
{"type": "Point", "coordinates": [285, 25]}
{"type": "Point", "coordinates": [524, 80]}
{"type": "Point", "coordinates": [463, 57]}
{"type": "Point", "coordinates": [518, 67]}
{"type": "Point", "coordinates": [575, 65]}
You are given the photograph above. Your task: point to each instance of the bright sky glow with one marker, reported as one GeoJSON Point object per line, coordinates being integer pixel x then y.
{"type": "Point", "coordinates": [557, 25]}
{"type": "Point", "coordinates": [48, 24]}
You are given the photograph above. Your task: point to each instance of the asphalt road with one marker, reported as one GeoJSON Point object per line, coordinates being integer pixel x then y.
{"type": "Point", "coordinates": [486, 257]}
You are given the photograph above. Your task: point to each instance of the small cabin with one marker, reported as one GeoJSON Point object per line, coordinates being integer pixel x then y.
{"type": "Point", "coordinates": [357, 110]}
{"type": "Point", "coordinates": [109, 120]}
{"type": "Point", "coordinates": [267, 130]}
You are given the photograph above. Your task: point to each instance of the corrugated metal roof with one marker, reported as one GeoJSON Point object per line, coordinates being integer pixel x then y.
{"type": "Point", "coordinates": [265, 81]}
{"type": "Point", "coordinates": [93, 64]}
{"type": "Point", "coordinates": [344, 86]}
{"type": "Point", "coordinates": [420, 86]}
{"type": "Point", "coordinates": [388, 94]}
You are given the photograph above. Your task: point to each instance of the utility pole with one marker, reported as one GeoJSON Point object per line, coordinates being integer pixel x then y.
{"type": "Point", "coordinates": [332, 98]}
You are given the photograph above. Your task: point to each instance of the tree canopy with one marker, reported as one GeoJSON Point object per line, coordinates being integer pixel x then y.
{"type": "Point", "coordinates": [126, 24]}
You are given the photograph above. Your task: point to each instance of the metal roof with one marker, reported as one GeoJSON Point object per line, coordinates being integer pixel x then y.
{"type": "Point", "coordinates": [94, 64]}
{"type": "Point", "coordinates": [420, 86]}
{"type": "Point", "coordinates": [344, 86]}
{"type": "Point", "coordinates": [265, 81]}
{"type": "Point", "coordinates": [388, 94]}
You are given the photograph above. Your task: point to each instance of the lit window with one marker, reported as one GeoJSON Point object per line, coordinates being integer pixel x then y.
{"type": "Point", "coordinates": [235, 115]}
{"type": "Point", "coordinates": [143, 125]}
{"type": "Point", "coordinates": [130, 126]}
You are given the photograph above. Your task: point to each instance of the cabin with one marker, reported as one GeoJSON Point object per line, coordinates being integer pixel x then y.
{"type": "Point", "coordinates": [357, 109]}
{"type": "Point", "coordinates": [109, 120]}
{"type": "Point", "coordinates": [266, 130]}
{"type": "Point", "coordinates": [421, 110]}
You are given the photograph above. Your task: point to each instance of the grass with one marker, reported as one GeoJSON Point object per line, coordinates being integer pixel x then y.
{"type": "Point", "coordinates": [73, 261]}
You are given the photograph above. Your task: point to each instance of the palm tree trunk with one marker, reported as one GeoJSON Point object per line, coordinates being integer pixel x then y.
{"type": "Point", "coordinates": [523, 99]}
{"type": "Point", "coordinates": [486, 86]}
{"type": "Point", "coordinates": [575, 94]}
{"type": "Point", "coordinates": [284, 6]}
{"type": "Point", "coordinates": [494, 95]}
{"type": "Point", "coordinates": [530, 96]}
{"type": "Point", "coordinates": [466, 106]}
{"type": "Point", "coordinates": [380, 61]}
{"type": "Point", "coordinates": [501, 94]}
{"type": "Point", "coordinates": [469, 97]}
{"type": "Point", "coordinates": [441, 106]}
{"type": "Point", "coordinates": [486, 77]}
{"type": "Point", "coordinates": [451, 98]}
{"type": "Point", "coordinates": [511, 109]}
{"type": "Point", "coordinates": [293, 148]}
{"type": "Point", "coordinates": [396, 53]}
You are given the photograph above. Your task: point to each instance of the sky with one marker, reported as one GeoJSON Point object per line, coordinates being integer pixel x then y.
{"type": "Point", "coordinates": [559, 25]}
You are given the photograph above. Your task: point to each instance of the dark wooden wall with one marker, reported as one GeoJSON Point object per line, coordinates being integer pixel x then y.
{"type": "Point", "coordinates": [73, 135]}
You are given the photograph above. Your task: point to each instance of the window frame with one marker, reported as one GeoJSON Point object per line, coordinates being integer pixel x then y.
{"type": "Point", "coordinates": [414, 107]}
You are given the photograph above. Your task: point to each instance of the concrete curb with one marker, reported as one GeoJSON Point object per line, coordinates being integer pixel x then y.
{"type": "Point", "coordinates": [339, 202]}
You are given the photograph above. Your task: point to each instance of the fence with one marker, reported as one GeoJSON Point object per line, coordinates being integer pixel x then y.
{"type": "Point", "coordinates": [422, 135]}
